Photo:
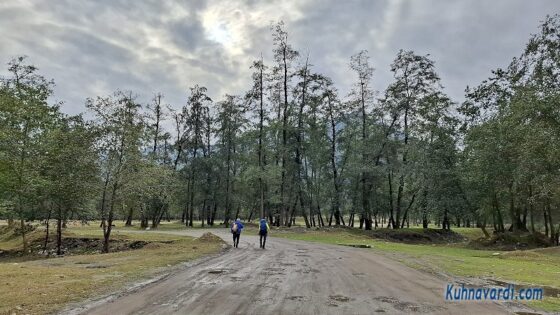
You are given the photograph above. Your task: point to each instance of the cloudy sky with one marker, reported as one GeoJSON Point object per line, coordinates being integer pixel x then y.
{"type": "Point", "coordinates": [95, 47]}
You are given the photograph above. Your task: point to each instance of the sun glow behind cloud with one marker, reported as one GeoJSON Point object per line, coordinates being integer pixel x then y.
{"type": "Point", "coordinates": [219, 33]}
{"type": "Point", "coordinates": [224, 27]}
{"type": "Point", "coordinates": [233, 24]}
{"type": "Point", "coordinates": [95, 47]}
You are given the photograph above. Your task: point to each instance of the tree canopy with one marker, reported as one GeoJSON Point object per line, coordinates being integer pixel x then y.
{"type": "Point", "coordinates": [292, 146]}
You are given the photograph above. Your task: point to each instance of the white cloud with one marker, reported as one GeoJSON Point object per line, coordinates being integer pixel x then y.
{"type": "Point", "coordinates": [95, 47]}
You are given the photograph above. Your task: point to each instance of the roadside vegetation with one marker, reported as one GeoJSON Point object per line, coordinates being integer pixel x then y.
{"type": "Point", "coordinates": [34, 285]}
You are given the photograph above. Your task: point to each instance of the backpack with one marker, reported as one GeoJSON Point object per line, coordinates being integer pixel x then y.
{"type": "Point", "coordinates": [234, 228]}
{"type": "Point", "coordinates": [263, 226]}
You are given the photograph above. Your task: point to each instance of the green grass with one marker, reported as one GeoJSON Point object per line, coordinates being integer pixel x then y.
{"type": "Point", "coordinates": [532, 267]}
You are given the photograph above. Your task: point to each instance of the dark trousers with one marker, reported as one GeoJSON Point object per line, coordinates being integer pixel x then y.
{"type": "Point", "coordinates": [236, 239]}
{"type": "Point", "coordinates": [263, 238]}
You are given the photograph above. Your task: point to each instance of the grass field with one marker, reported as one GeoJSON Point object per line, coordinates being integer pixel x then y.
{"type": "Point", "coordinates": [45, 285]}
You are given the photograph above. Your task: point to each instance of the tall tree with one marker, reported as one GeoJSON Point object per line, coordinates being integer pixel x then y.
{"type": "Point", "coordinates": [415, 80]}
{"type": "Point", "coordinates": [230, 124]}
{"type": "Point", "coordinates": [284, 55]}
{"type": "Point", "coordinates": [198, 102]}
{"type": "Point", "coordinates": [333, 112]}
{"type": "Point", "coordinates": [71, 170]}
{"type": "Point", "coordinates": [120, 126]}
{"type": "Point", "coordinates": [363, 94]}
{"type": "Point", "coordinates": [25, 118]}
{"type": "Point", "coordinates": [257, 95]}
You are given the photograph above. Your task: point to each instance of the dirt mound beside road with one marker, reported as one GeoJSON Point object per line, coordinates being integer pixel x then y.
{"type": "Point", "coordinates": [209, 237]}
{"type": "Point", "coordinates": [415, 236]}
{"type": "Point", "coordinates": [512, 241]}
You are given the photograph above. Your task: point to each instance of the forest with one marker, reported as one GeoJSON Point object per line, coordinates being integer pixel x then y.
{"type": "Point", "coordinates": [292, 146]}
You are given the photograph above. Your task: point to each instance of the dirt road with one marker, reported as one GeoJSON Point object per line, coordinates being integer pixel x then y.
{"type": "Point", "coordinates": [292, 277]}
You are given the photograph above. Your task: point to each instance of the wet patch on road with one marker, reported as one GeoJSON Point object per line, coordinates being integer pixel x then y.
{"type": "Point", "coordinates": [218, 271]}
{"type": "Point", "coordinates": [307, 270]}
{"type": "Point", "coordinates": [340, 298]}
{"type": "Point", "coordinates": [408, 307]}
{"type": "Point", "coordinates": [299, 298]}
{"type": "Point", "coordinates": [274, 271]}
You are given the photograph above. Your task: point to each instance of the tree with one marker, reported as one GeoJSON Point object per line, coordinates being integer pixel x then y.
{"type": "Point", "coordinates": [120, 129]}
{"type": "Point", "coordinates": [513, 115]}
{"type": "Point", "coordinates": [333, 113]}
{"type": "Point", "coordinates": [284, 55]}
{"type": "Point", "coordinates": [70, 168]}
{"type": "Point", "coordinates": [230, 123]}
{"type": "Point", "coordinates": [256, 94]}
{"type": "Point", "coordinates": [359, 63]}
{"type": "Point", "coordinates": [25, 117]}
{"type": "Point", "coordinates": [415, 81]}
{"type": "Point", "coordinates": [199, 103]}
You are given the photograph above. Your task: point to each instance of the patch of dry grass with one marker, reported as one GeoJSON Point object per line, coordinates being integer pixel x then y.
{"type": "Point", "coordinates": [46, 285]}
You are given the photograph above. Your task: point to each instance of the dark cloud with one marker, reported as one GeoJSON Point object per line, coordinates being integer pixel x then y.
{"type": "Point", "coordinates": [95, 47]}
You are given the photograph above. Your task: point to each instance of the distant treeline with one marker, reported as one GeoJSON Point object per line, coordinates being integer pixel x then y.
{"type": "Point", "coordinates": [291, 145]}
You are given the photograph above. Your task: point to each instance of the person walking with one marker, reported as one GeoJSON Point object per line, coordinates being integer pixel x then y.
{"type": "Point", "coordinates": [263, 232]}
{"type": "Point", "coordinates": [236, 229]}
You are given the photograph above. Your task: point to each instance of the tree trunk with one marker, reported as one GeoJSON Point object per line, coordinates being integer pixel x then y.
{"type": "Point", "coordinates": [446, 225]}
{"type": "Point", "coordinates": [47, 231]}
{"type": "Point", "coordinates": [227, 205]}
{"type": "Point", "coordinates": [320, 216]}
{"type": "Point", "coordinates": [552, 230]}
{"type": "Point", "coordinates": [299, 147]}
{"type": "Point", "coordinates": [237, 212]}
{"type": "Point", "coordinates": [109, 226]}
{"type": "Point", "coordinates": [283, 212]}
{"type": "Point", "coordinates": [251, 215]}
{"type": "Point", "coordinates": [213, 214]}
{"type": "Point", "coordinates": [193, 181]}
{"type": "Point", "coordinates": [531, 210]}
{"type": "Point", "coordinates": [261, 135]}
{"type": "Point", "coordinates": [397, 217]}
{"type": "Point", "coordinates": [24, 241]}
{"type": "Point", "coordinates": [203, 216]}
{"type": "Point", "coordinates": [391, 205]}
{"type": "Point", "coordinates": [499, 220]}
{"type": "Point", "coordinates": [405, 215]}
{"type": "Point", "coordinates": [483, 228]}
{"type": "Point", "coordinates": [59, 235]}
{"type": "Point", "coordinates": [129, 216]}
{"type": "Point", "coordinates": [545, 214]}
{"type": "Point", "coordinates": [336, 197]}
